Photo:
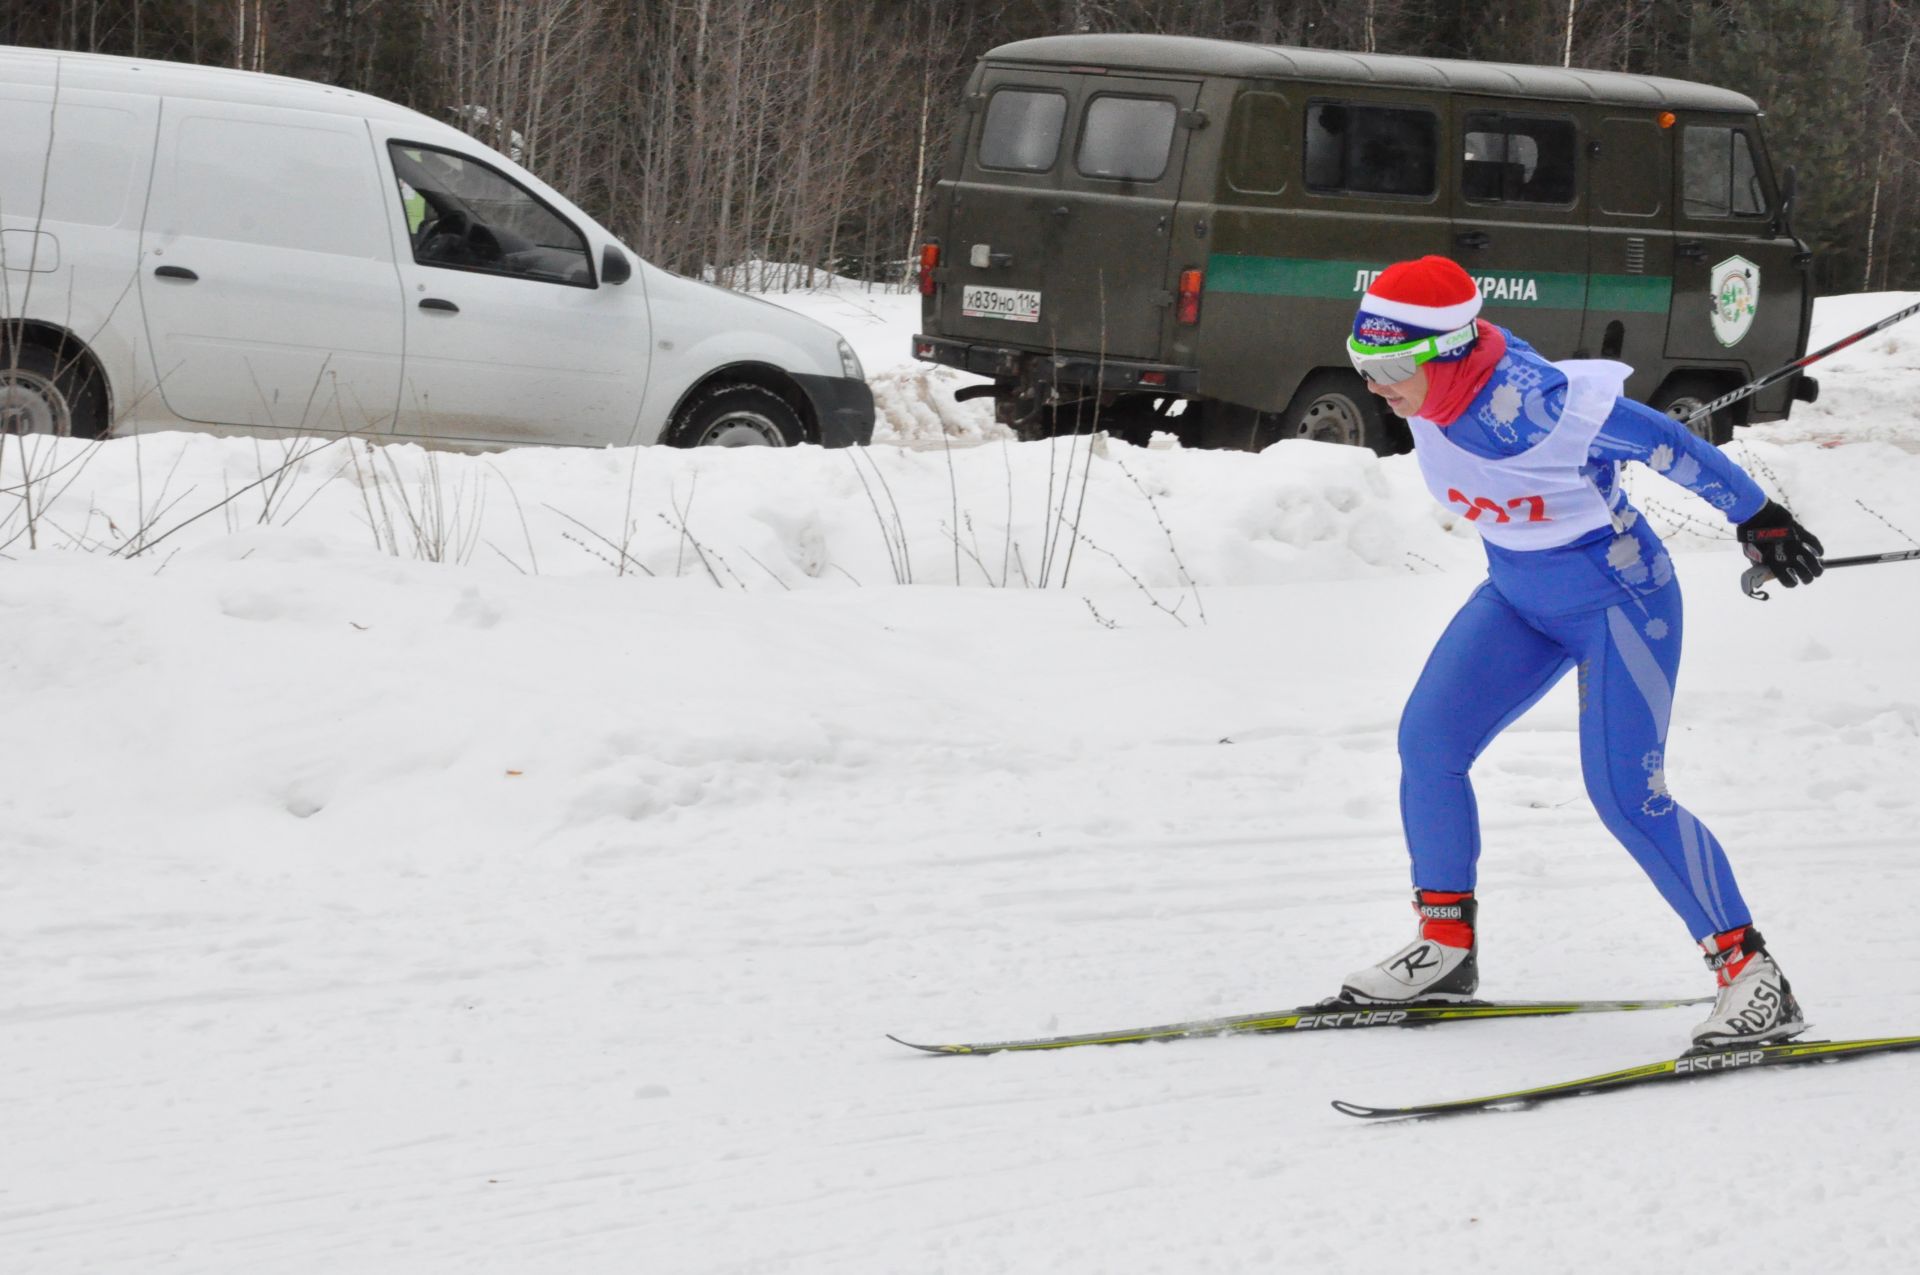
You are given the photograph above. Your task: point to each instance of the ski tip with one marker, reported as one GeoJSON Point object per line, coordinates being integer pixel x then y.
{"type": "Point", "coordinates": [930, 1049]}
{"type": "Point", "coordinates": [1355, 1109]}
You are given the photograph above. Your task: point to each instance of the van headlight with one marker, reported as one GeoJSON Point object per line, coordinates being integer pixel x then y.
{"type": "Point", "coordinates": [850, 363]}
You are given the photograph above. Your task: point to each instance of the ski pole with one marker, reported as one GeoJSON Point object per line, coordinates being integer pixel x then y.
{"type": "Point", "coordinates": [1753, 577]}
{"type": "Point", "coordinates": [1755, 386]}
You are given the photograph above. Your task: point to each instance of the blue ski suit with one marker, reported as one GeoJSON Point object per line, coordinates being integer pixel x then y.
{"type": "Point", "coordinates": [1576, 580]}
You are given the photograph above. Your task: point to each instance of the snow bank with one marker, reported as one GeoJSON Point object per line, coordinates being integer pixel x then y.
{"type": "Point", "coordinates": [999, 515]}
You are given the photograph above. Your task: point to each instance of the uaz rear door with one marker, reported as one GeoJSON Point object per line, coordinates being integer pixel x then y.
{"type": "Point", "coordinates": [1059, 225]}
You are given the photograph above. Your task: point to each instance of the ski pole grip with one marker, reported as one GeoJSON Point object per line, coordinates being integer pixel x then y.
{"type": "Point", "coordinates": [1751, 579]}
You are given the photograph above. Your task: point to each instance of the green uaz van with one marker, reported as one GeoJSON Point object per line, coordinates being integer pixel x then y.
{"type": "Point", "coordinates": [1139, 233]}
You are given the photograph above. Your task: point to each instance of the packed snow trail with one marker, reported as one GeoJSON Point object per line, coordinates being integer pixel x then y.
{"type": "Point", "coordinates": [523, 911]}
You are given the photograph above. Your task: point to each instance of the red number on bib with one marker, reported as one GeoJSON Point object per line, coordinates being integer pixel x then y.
{"type": "Point", "coordinates": [1477, 506]}
{"type": "Point", "coordinates": [1536, 506]}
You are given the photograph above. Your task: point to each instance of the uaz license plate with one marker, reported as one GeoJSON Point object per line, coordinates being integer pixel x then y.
{"type": "Point", "coordinates": [1017, 304]}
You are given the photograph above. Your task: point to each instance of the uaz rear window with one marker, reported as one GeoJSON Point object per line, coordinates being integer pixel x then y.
{"type": "Point", "coordinates": [1022, 130]}
{"type": "Point", "coordinates": [1127, 138]}
{"type": "Point", "coordinates": [1371, 150]}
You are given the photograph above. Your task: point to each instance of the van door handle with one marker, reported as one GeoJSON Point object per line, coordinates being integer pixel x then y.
{"type": "Point", "coordinates": [1691, 248]}
{"type": "Point", "coordinates": [435, 303]}
{"type": "Point", "coordinates": [176, 272]}
{"type": "Point", "coordinates": [1473, 239]}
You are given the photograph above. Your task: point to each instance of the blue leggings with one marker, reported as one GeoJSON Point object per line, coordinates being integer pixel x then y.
{"type": "Point", "coordinates": [1491, 665]}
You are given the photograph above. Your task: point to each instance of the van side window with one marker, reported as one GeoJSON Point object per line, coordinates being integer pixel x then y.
{"type": "Point", "coordinates": [1721, 178]}
{"type": "Point", "coordinates": [1353, 148]}
{"type": "Point", "coordinates": [463, 215]}
{"type": "Point", "coordinates": [1127, 138]}
{"type": "Point", "coordinates": [1517, 159]}
{"type": "Point", "coordinates": [1022, 130]}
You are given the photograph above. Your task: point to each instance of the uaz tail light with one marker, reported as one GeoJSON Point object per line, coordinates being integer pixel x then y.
{"type": "Point", "coordinates": [929, 260]}
{"type": "Point", "coordinates": [1187, 305]}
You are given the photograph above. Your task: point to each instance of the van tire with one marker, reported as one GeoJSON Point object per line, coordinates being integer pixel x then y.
{"type": "Point", "coordinates": [45, 392]}
{"type": "Point", "coordinates": [1682, 395]}
{"type": "Point", "coordinates": [1334, 407]}
{"type": "Point", "coordinates": [733, 414]}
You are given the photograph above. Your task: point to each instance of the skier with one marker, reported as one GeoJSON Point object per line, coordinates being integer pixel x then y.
{"type": "Point", "coordinates": [1529, 452]}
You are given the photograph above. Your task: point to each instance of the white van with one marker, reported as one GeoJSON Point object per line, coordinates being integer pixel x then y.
{"type": "Point", "coordinates": [189, 247]}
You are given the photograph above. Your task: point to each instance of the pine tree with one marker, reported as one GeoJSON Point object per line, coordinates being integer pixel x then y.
{"type": "Point", "coordinates": [1804, 63]}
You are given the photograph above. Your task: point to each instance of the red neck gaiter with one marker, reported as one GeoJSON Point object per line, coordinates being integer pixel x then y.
{"type": "Point", "coordinates": [1452, 385]}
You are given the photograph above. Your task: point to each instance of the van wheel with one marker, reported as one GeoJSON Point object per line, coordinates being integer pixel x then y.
{"type": "Point", "coordinates": [737, 416]}
{"type": "Point", "coordinates": [1682, 396]}
{"type": "Point", "coordinates": [42, 393]}
{"type": "Point", "coordinates": [1335, 407]}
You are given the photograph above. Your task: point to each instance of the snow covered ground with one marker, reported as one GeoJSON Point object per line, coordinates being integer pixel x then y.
{"type": "Point", "coordinates": [512, 863]}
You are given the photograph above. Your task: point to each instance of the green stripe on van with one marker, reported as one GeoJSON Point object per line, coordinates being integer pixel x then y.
{"type": "Point", "coordinates": [1348, 280]}
{"type": "Point", "coordinates": [1629, 293]}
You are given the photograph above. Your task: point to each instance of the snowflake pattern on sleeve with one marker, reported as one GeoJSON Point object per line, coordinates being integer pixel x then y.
{"type": "Point", "coordinates": [1635, 431]}
{"type": "Point", "coordinates": [1520, 406]}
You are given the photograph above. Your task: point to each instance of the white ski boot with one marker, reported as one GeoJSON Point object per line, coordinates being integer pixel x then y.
{"type": "Point", "coordinates": [1439, 965]}
{"type": "Point", "coordinates": [1756, 1005]}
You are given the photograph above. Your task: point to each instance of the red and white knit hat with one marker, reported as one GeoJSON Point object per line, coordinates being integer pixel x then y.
{"type": "Point", "coordinates": [1412, 299]}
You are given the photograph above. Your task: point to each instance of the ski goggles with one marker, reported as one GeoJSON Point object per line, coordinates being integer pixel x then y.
{"type": "Point", "coordinates": [1392, 364]}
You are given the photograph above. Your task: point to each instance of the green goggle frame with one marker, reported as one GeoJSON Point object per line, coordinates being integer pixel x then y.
{"type": "Point", "coordinates": [1391, 364]}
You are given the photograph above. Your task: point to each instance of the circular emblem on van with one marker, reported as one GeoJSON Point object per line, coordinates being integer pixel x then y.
{"type": "Point", "coordinates": [1735, 284]}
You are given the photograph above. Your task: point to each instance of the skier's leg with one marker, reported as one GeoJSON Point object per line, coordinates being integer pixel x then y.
{"type": "Point", "coordinates": [1489, 667]}
{"type": "Point", "coordinates": [1630, 656]}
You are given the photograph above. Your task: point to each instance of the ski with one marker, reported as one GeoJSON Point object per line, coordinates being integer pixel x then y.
{"type": "Point", "coordinates": [1688, 1066]}
{"type": "Point", "coordinates": [1328, 1015]}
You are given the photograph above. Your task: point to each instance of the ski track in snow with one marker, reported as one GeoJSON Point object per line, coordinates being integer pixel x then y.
{"type": "Point", "coordinates": [508, 913]}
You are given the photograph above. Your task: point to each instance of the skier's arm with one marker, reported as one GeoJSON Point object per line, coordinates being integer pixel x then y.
{"type": "Point", "coordinates": [1635, 431]}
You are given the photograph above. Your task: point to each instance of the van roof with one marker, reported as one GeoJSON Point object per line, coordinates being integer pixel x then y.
{"type": "Point", "coordinates": [1194, 55]}
{"type": "Point", "coordinates": [101, 72]}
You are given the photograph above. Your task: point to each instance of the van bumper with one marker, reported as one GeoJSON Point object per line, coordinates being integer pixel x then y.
{"type": "Point", "coordinates": [843, 407]}
{"type": "Point", "coordinates": [1080, 371]}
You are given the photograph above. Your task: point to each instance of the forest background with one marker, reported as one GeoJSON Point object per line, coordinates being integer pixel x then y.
{"type": "Point", "coordinates": [712, 135]}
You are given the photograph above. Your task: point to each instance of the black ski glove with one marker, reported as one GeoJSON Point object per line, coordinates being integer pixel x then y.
{"type": "Point", "coordinates": [1774, 540]}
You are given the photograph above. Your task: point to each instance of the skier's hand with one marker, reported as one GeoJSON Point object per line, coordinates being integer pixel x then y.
{"type": "Point", "coordinates": [1774, 540]}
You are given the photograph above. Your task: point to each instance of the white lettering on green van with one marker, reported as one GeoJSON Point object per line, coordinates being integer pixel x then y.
{"type": "Point", "coordinates": [1312, 277]}
{"type": "Point", "coordinates": [1492, 287]}
{"type": "Point", "coordinates": [1495, 288]}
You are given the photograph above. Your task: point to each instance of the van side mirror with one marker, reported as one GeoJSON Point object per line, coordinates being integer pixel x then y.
{"type": "Point", "coordinates": [1789, 186]}
{"type": "Point", "coordinates": [614, 266]}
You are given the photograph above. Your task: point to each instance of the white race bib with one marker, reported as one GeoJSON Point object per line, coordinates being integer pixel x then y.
{"type": "Point", "coordinates": [1538, 499]}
